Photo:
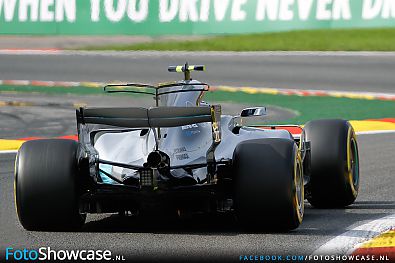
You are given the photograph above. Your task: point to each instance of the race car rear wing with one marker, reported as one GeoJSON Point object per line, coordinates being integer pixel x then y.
{"type": "Point", "coordinates": [145, 118]}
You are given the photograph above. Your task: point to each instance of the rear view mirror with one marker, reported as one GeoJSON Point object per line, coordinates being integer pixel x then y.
{"type": "Point", "coordinates": [249, 116]}
{"type": "Point", "coordinates": [255, 111]}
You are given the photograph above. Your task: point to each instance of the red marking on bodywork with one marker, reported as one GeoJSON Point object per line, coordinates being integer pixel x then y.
{"type": "Point", "coordinates": [69, 137]}
{"type": "Point", "coordinates": [293, 130]}
{"type": "Point", "coordinates": [30, 138]}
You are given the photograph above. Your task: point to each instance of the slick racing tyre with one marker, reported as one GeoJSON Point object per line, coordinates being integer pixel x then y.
{"type": "Point", "coordinates": [334, 180]}
{"type": "Point", "coordinates": [46, 187]}
{"type": "Point", "coordinates": [269, 190]}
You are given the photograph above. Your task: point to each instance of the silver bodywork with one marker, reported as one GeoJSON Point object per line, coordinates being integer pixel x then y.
{"type": "Point", "coordinates": [184, 145]}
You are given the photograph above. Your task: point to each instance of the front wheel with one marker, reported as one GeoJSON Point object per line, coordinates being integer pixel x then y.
{"type": "Point", "coordinates": [269, 188]}
{"type": "Point", "coordinates": [334, 179]}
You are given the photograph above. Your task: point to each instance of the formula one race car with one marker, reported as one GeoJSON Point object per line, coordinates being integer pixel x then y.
{"type": "Point", "coordinates": [184, 157]}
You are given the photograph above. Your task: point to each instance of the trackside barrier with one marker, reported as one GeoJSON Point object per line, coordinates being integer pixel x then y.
{"type": "Point", "coordinates": [188, 17]}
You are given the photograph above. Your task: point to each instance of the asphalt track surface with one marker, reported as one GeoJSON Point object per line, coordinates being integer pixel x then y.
{"type": "Point", "coordinates": [204, 237]}
{"type": "Point", "coordinates": [302, 71]}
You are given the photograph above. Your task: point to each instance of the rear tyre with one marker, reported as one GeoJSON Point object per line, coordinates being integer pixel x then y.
{"type": "Point", "coordinates": [334, 179]}
{"type": "Point", "coordinates": [269, 190]}
{"type": "Point", "coordinates": [46, 187]}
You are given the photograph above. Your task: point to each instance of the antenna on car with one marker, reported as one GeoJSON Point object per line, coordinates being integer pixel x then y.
{"type": "Point", "coordinates": [186, 69]}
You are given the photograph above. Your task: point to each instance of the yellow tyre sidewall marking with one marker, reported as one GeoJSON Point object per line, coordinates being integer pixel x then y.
{"type": "Point", "coordinates": [349, 173]}
{"type": "Point", "coordinates": [298, 163]}
{"type": "Point", "coordinates": [15, 178]}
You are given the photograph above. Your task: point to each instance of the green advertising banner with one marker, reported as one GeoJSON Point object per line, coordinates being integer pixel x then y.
{"type": "Point", "coordinates": [185, 17]}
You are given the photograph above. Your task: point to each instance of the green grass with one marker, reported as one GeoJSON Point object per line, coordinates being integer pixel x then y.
{"type": "Point", "coordinates": [313, 107]}
{"type": "Point", "coordinates": [308, 107]}
{"type": "Point", "coordinates": [310, 40]}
